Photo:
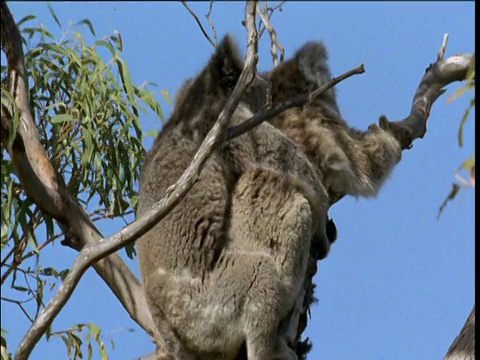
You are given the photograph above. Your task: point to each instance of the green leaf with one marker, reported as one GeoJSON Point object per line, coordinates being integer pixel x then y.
{"type": "Point", "coordinates": [118, 40]}
{"type": "Point", "coordinates": [166, 96]}
{"type": "Point", "coordinates": [126, 80]}
{"type": "Point", "coordinates": [147, 98]}
{"type": "Point", "coordinates": [468, 164]}
{"type": "Point", "coordinates": [61, 119]}
{"type": "Point", "coordinates": [89, 24]}
{"type": "Point", "coordinates": [107, 45]}
{"type": "Point", "coordinates": [52, 12]}
{"type": "Point", "coordinates": [67, 345]}
{"type": "Point", "coordinates": [39, 295]}
{"type": "Point", "coordinates": [464, 120]}
{"type": "Point", "coordinates": [450, 197]}
{"type": "Point", "coordinates": [63, 274]}
{"type": "Point", "coordinates": [25, 19]}
{"type": "Point", "coordinates": [150, 133]}
{"type": "Point", "coordinates": [20, 288]}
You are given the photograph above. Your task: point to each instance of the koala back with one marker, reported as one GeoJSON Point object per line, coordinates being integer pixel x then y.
{"type": "Point", "coordinates": [194, 231]}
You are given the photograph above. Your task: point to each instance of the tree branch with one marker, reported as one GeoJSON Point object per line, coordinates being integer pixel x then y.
{"type": "Point", "coordinates": [443, 48]}
{"type": "Point", "coordinates": [212, 24]}
{"type": "Point", "coordinates": [436, 76]}
{"type": "Point", "coordinates": [184, 3]}
{"type": "Point", "coordinates": [47, 188]}
{"type": "Point", "coordinates": [299, 100]}
{"type": "Point", "coordinates": [274, 43]}
{"type": "Point", "coordinates": [174, 194]}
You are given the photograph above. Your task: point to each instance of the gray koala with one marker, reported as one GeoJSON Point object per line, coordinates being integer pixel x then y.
{"type": "Point", "coordinates": [229, 262]}
{"type": "Point", "coordinates": [348, 161]}
{"type": "Point", "coordinates": [227, 266]}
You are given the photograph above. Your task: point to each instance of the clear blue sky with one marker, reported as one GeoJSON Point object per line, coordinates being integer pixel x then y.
{"type": "Point", "coordinates": [398, 283]}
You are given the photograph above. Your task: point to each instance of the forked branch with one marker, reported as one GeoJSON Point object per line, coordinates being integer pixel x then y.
{"type": "Point", "coordinates": [199, 23]}
{"type": "Point", "coordinates": [265, 17]}
{"type": "Point", "coordinates": [437, 75]}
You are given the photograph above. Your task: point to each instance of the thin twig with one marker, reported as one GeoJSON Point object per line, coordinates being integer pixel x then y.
{"type": "Point", "coordinates": [299, 100]}
{"type": "Point", "coordinates": [443, 48]}
{"type": "Point", "coordinates": [199, 23]}
{"type": "Point", "coordinates": [212, 24]}
{"type": "Point", "coordinates": [275, 8]}
{"type": "Point", "coordinates": [265, 18]}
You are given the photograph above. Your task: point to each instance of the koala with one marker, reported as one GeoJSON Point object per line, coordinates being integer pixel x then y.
{"type": "Point", "coordinates": [350, 161]}
{"type": "Point", "coordinates": [225, 269]}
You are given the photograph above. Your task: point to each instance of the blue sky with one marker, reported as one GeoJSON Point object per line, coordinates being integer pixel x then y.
{"type": "Point", "coordinates": [398, 283]}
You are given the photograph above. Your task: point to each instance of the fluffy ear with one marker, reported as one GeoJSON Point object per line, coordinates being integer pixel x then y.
{"type": "Point", "coordinates": [225, 66]}
{"type": "Point", "coordinates": [215, 82]}
{"type": "Point", "coordinates": [313, 63]}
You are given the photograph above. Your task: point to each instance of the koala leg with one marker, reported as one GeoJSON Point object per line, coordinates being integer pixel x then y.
{"type": "Point", "coordinates": [262, 313]}
{"type": "Point", "coordinates": [153, 285]}
{"type": "Point", "coordinates": [273, 220]}
{"type": "Point", "coordinates": [289, 325]}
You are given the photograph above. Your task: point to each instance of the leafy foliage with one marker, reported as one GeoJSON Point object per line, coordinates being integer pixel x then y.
{"type": "Point", "coordinates": [72, 338]}
{"type": "Point", "coordinates": [469, 164]}
{"type": "Point", "coordinates": [87, 111]}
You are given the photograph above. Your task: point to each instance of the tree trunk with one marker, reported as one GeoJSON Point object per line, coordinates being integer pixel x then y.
{"type": "Point", "coordinates": [463, 347]}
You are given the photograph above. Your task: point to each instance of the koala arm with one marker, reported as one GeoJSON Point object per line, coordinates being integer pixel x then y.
{"type": "Point", "coordinates": [350, 161]}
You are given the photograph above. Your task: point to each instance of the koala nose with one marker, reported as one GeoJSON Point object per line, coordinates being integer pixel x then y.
{"type": "Point", "coordinates": [331, 231]}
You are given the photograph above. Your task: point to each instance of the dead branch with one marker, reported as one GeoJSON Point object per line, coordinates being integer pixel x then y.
{"type": "Point", "coordinates": [443, 48]}
{"type": "Point", "coordinates": [47, 188]}
{"type": "Point", "coordinates": [174, 194]}
{"type": "Point", "coordinates": [299, 100]}
{"type": "Point", "coordinates": [437, 75]}
{"type": "Point", "coordinates": [212, 24]}
{"type": "Point", "coordinates": [274, 43]}
{"type": "Point", "coordinates": [214, 44]}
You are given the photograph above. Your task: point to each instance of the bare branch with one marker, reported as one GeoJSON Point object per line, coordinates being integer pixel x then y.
{"type": "Point", "coordinates": [184, 3]}
{"type": "Point", "coordinates": [437, 76]}
{"type": "Point", "coordinates": [265, 18]}
{"type": "Point", "coordinates": [47, 188]}
{"type": "Point", "coordinates": [278, 7]}
{"type": "Point", "coordinates": [299, 100]}
{"type": "Point", "coordinates": [92, 253]}
{"type": "Point", "coordinates": [210, 21]}
{"type": "Point", "coordinates": [443, 48]}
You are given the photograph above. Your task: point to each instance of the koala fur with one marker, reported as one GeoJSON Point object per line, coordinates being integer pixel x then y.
{"type": "Point", "coordinates": [227, 266]}
{"type": "Point", "coordinates": [351, 162]}
{"type": "Point", "coordinates": [228, 263]}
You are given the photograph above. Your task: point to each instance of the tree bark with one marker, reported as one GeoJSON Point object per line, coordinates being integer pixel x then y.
{"type": "Point", "coordinates": [463, 347]}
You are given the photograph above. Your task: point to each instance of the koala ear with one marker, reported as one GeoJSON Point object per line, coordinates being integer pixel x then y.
{"type": "Point", "coordinates": [217, 79]}
{"type": "Point", "coordinates": [225, 66]}
{"type": "Point", "coordinates": [313, 63]}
